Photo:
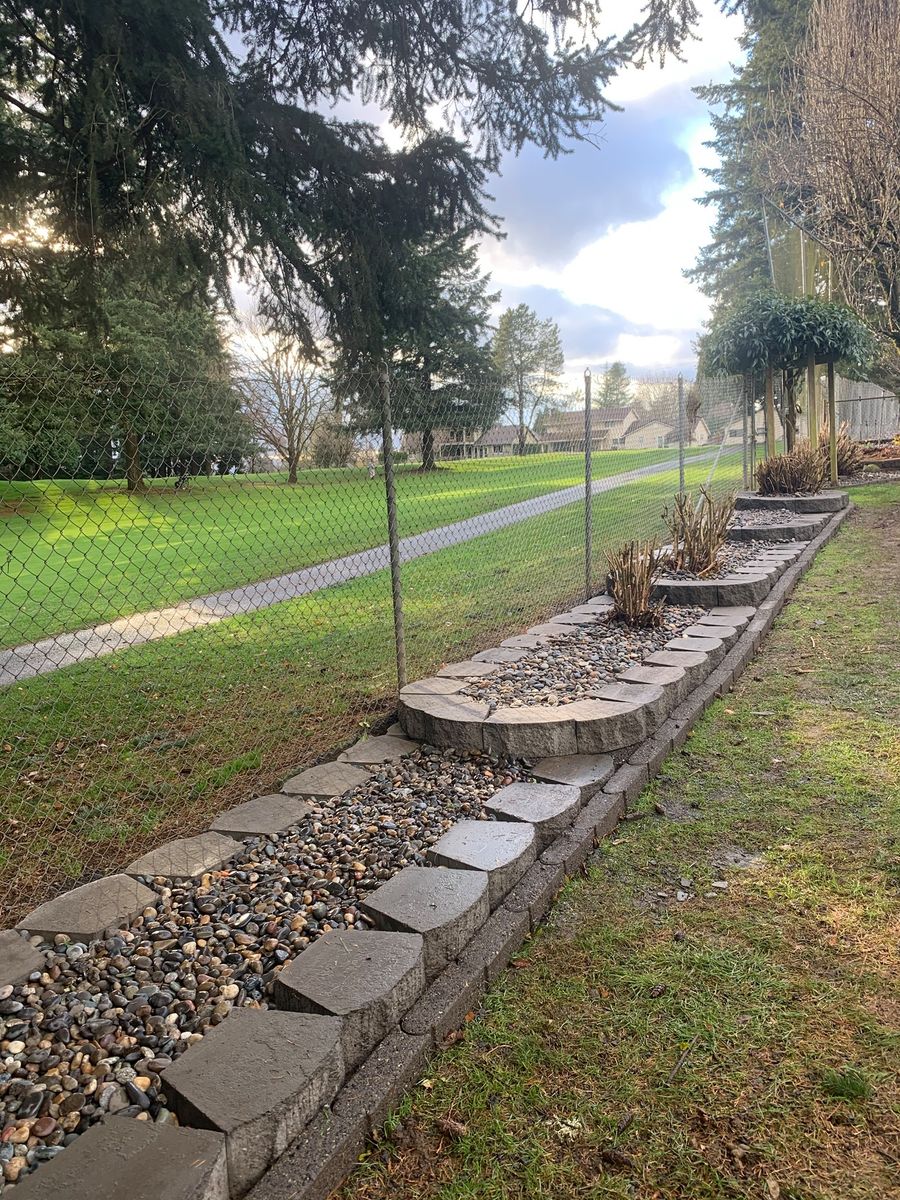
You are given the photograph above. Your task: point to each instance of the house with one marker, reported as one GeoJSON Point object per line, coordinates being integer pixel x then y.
{"type": "Point", "coordinates": [649, 434]}
{"type": "Point", "coordinates": [701, 434]}
{"type": "Point", "coordinates": [734, 434]}
{"type": "Point", "coordinates": [565, 431]}
{"type": "Point", "coordinates": [502, 439]}
{"type": "Point", "coordinates": [448, 443]}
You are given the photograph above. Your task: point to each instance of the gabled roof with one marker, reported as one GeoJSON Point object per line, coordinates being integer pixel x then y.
{"type": "Point", "coordinates": [502, 435]}
{"type": "Point", "coordinates": [645, 423]}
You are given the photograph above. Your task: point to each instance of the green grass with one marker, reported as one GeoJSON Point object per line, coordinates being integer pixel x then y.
{"type": "Point", "coordinates": [73, 553]}
{"type": "Point", "coordinates": [105, 758]}
{"type": "Point", "coordinates": [742, 1045]}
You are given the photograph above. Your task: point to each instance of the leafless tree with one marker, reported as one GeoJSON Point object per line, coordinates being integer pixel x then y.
{"type": "Point", "coordinates": [284, 394]}
{"type": "Point", "coordinates": [833, 168]}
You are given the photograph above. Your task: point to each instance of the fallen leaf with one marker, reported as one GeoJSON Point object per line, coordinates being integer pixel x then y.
{"type": "Point", "coordinates": [519, 962]}
{"type": "Point", "coordinates": [451, 1128]}
{"type": "Point", "coordinates": [773, 1189]}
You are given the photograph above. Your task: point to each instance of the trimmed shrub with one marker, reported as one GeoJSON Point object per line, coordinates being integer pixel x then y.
{"type": "Point", "coordinates": [800, 472]}
{"type": "Point", "coordinates": [850, 454]}
{"type": "Point", "coordinates": [632, 570]}
{"type": "Point", "coordinates": [698, 530]}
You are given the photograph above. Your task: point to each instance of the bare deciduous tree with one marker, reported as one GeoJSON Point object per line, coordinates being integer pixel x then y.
{"type": "Point", "coordinates": [834, 167]}
{"type": "Point", "coordinates": [284, 395]}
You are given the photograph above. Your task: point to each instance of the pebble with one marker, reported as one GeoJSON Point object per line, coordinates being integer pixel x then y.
{"type": "Point", "coordinates": [731, 555]}
{"type": "Point", "coordinates": [92, 1033]}
{"type": "Point", "coordinates": [578, 663]}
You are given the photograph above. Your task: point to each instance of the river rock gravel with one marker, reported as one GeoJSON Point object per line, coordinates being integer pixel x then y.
{"type": "Point", "coordinates": [731, 555]}
{"type": "Point", "coordinates": [760, 517]}
{"type": "Point", "coordinates": [92, 1033]}
{"type": "Point", "coordinates": [577, 664]}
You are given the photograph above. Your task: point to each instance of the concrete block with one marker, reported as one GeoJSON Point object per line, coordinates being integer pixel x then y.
{"type": "Point", "coordinates": [497, 943]}
{"type": "Point", "coordinates": [537, 889]}
{"type": "Point", "coordinates": [587, 772]}
{"type": "Point", "coordinates": [716, 622]}
{"type": "Point", "coordinates": [318, 1162]}
{"type": "Point", "coordinates": [18, 958]}
{"type": "Point", "coordinates": [86, 911]}
{"type": "Point", "coordinates": [576, 617]}
{"type": "Point", "coordinates": [602, 726]}
{"type": "Point", "coordinates": [259, 1078]}
{"type": "Point", "coordinates": [124, 1159]}
{"type": "Point", "coordinates": [602, 814]}
{"type": "Point", "coordinates": [549, 807]}
{"type": "Point", "coordinates": [725, 633]}
{"type": "Point", "coordinates": [549, 630]}
{"type": "Point", "coordinates": [654, 751]}
{"type": "Point", "coordinates": [444, 906]}
{"type": "Point", "coordinates": [470, 669]}
{"type": "Point", "coordinates": [367, 977]}
{"type": "Point", "coordinates": [186, 858]}
{"type": "Point", "coordinates": [714, 647]}
{"type": "Point", "coordinates": [695, 665]}
{"type": "Point", "coordinates": [457, 991]}
{"type": "Point", "coordinates": [434, 685]}
{"type": "Point", "coordinates": [454, 721]}
{"type": "Point", "coordinates": [376, 750]}
{"type": "Point", "coordinates": [379, 1084]}
{"type": "Point", "coordinates": [673, 680]}
{"type": "Point", "coordinates": [745, 611]}
{"type": "Point", "coordinates": [499, 655]}
{"type": "Point", "coordinates": [737, 589]}
{"type": "Point", "coordinates": [830, 501]}
{"type": "Point", "coordinates": [686, 591]}
{"type": "Point", "coordinates": [655, 700]}
{"type": "Point", "coordinates": [503, 850]}
{"type": "Point", "coordinates": [538, 731]}
{"type": "Point", "coordinates": [571, 849]}
{"type": "Point", "coordinates": [629, 780]}
{"type": "Point", "coordinates": [264, 816]}
{"type": "Point", "coordinates": [326, 781]}
{"type": "Point", "coordinates": [525, 641]}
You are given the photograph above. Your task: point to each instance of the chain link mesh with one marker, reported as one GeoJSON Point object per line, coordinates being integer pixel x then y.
{"type": "Point", "coordinates": [183, 627]}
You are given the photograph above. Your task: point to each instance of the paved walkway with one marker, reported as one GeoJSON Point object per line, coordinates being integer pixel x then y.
{"type": "Point", "coordinates": [67, 649]}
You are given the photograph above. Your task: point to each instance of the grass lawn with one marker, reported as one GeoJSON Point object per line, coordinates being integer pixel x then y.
{"type": "Point", "coordinates": [744, 1044]}
{"type": "Point", "coordinates": [102, 760]}
{"type": "Point", "coordinates": [75, 553]}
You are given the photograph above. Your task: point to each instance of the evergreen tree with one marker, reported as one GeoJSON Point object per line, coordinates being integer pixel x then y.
{"type": "Point", "coordinates": [615, 387]}
{"type": "Point", "coordinates": [529, 357]}
{"type": "Point", "coordinates": [200, 123]}
{"type": "Point", "coordinates": [735, 262]}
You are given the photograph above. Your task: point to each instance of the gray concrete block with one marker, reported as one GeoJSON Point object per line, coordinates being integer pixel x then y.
{"type": "Point", "coordinates": [499, 655]}
{"type": "Point", "coordinates": [376, 750]}
{"type": "Point", "coordinates": [830, 501]}
{"type": "Point", "coordinates": [471, 668]}
{"type": "Point", "coordinates": [525, 641]}
{"type": "Point", "coordinates": [395, 730]}
{"type": "Point", "coordinates": [629, 780]}
{"type": "Point", "coordinates": [734, 610]}
{"type": "Point", "coordinates": [695, 665]}
{"type": "Point", "coordinates": [369, 978]}
{"type": "Point", "coordinates": [259, 1078]}
{"type": "Point", "coordinates": [186, 858]}
{"type": "Point", "coordinates": [264, 816]}
{"type": "Point", "coordinates": [497, 943]}
{"type": "Point", "coordinates": [549, 807]}
{"type": "Point", "coordinates": [725, 633]}
{"type": "Point", "coordinates": [457, 991]}
{"type": "Point", "coordinates": [503, 850]}
{"type": "Point", "coordinates": [737, 589]}
{"type": "Point", "coordinates": [326, 781]}
{"type": "Point", "coordinates": [571, 849]}
{"type": "Point", "coordinates": [538, 731]}
{"type": "Point", "coordinates": [717, 622]}
{"type": "Point", "coordinates": [686, 591]}
{"type": "Point", "coordinates": [654, 699]}
{"type": "Point", "coordinates": [603, 726]}
{"type": "Point", "coordinates": [18, 958]}
{"type": "Point", "coordinates": [587, 772]}
{"type": "Point", "coordinates": [444, 906]}
{"type": "Point", "coordinates": [454, 721]}
{"type": "Point", "coordinates": [379, 1084]}
{"type": "Point", "coordinates": [537, 889]}
{"type": "Point", "coordinates": [86, 911]}
{"type": "Point", "coordinates": [318, 1162]}
{"type": "Point", "coordinates": [602, 814]}
{"type": "Point", "coordinates": [577, 617]}
{"type": "Point", "coordinates": [434, 685]}
{"type": "Point", "coordinates": [653, 752]}
{"type": "Point", "coordinates": [124, 1159]}
{"type": "Point", "coordinates": [715, 647]}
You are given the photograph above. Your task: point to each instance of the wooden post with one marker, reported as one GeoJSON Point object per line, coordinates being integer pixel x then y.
{"type": "Point", "coordinates": [832, 425]}
{"type": "Point", "coordinates": [770, 413]}
{"type": "Point", "coordinates": [812, 404]}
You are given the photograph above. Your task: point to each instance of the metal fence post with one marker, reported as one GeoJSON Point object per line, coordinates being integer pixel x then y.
{"type": "Point", "coordinates": [681, 423]}
{"type": "Point", "coordinates": [387, 449]}
{"type": "Point", "coordinates": [588, 489]}
{"type": "Point", "coordinates": [747, 390]}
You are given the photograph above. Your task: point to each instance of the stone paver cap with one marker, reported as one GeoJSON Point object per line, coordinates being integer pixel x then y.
{"type": "Point", "coordinates": [86, 911]}
{"type": "Point", "coordinates": [185, 858]}
{"type": "Point", "coordinates": [264, 815]}
{"type": "Point", "coordinates": [18, 958]}
{"type": "Point", "coordinates": [326, 781]}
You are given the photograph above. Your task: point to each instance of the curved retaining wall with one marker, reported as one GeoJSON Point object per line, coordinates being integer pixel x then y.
{"type": "Point", "coordinates": [277, 1103]}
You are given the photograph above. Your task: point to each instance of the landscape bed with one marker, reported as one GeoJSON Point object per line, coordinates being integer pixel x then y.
{"type": "Point", "coordinates": [376, 877]}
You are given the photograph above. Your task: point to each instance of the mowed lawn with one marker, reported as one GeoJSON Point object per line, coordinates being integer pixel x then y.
{"type": "Point", "coordinates": [713, 1011]}
{"type": "Point", "coordinates": [102, 760]}
{"type": "Point", "coordinates": [77, 553]}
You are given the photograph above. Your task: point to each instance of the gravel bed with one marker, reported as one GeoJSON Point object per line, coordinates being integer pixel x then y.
{"type": "Point", "coordinates": [866, 477]}
{"type": "Point", "coordinates": [92, 1035]}
{"type": "Point", "coordinates": [744, 517]}
{"type": "Point", "coordinates": [575, 665]}
{"type": "Point", "coordinates": [732, 554]}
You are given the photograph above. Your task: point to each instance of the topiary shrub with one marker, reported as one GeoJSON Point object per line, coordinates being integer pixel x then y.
{"type": "Point", "coordinates": [800, 472]}
{"type": "Point", "coordinates": [632, 570]}
{"type": "Point", "coordinates": [698, 530]}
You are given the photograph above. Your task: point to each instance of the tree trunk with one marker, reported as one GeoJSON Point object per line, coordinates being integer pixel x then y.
{"type": "Point", "coordinates": [134, 476]}
{"type": "Point", "coordinates": [770, 414]}
{"type": "Point", "coordinates": [292, 469]}
{"type": "Point", "coordinates": [428, 460]}
{"type": "Point", "coordinates": [521, 420]}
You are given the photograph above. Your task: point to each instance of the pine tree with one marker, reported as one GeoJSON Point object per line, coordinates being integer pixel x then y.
{"type": "Point", "coordinates": [528, 355]}
{"type": "Point", "coordinates": [615, 387]}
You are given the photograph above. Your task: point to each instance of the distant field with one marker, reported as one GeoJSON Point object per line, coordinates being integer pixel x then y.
{"type": "Point", "coordinates": [76, 553]}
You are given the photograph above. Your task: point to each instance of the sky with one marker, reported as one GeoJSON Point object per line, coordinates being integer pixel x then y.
{"type": "Point", "coordinates": [599, 239]}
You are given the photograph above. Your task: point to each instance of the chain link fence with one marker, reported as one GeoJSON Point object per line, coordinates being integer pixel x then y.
{"type": "Point", "coordinates": [202, 591]}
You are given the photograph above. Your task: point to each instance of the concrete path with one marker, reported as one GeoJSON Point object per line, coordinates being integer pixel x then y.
{"type": "Point", "coordinates": [66, 649]}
